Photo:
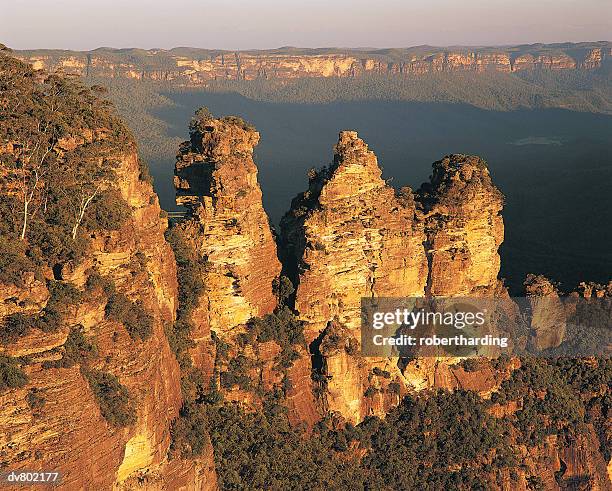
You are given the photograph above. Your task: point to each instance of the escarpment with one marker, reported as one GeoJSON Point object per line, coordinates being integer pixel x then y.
{"type": "Point", "coordinates": [94, 317]}
{"type": "Point", "coordinates": [88, 287]}
{"type": "Point", "coordinates": [199, 66]}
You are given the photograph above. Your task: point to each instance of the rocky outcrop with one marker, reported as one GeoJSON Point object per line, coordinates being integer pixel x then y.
{"type": "Point", "coordinates": [96, 392]}
{"type": "Point", "coordinates": [352, 237]}
{"type": "Point", "coordinates": [216, 179]}
{"type": "Point", "coordinates": [226, 225]}
{"type": "Point", "coordinates": [464, 227]}
{"type": "Point", "coordinates": [548, 316]}
{"type": "Point", "coordinates": [199, 66]}
{"type": "Point", "coordinates": [49, 437]}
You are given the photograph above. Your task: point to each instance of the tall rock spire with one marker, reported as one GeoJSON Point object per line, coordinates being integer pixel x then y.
{"type": "Point", "coordinates": [464, 227]}
{"type": "Point", "coordinates": [216, 179]}
{"type": "Point", "coordinates": [351, 236]}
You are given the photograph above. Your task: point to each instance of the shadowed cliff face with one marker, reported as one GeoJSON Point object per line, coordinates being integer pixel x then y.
{"type": "Point", "coordinates": [198, 66]}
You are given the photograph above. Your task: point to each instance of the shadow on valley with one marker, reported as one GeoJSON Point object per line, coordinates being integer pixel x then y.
{"type": "Point", "coordinates": [554, 166]}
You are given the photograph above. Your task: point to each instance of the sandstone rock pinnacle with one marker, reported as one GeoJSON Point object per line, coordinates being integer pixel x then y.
{"type": "Point", "coordinates": [216, 179]}
{"type": "Point", "coordinates": [464, 227]}
{"type": "Point", "coordinates": [351, 237]}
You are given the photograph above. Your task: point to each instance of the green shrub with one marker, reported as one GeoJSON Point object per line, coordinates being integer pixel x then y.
{"type": "Point", "coordinates": [137, 321]}
{"type": "Point", "coordinates": [50, 320]}
{"type": "Point", "coordinates": [63, 296]}
{"type": "Point", "coordinates": [52, 243]}
{"type": "Point", "coordinates": [16, 326]}
{"type": "Point", "coordinates": [96, 281]}
{"type": "Point", "coordinates": [286, 358]}
{"type": "Point", "coordinates": [190, 272]}
{"type": "Point", "coordinates": [201, 116]}
{"type": "Point", "coordinates": [191, 286]}
{"type": "Point", "coordinates": [11, 375]}
{"type": "Point", "coordinates": [237, 373]}
{"type": "Point", "coordinates": [370, 392]}
{"type": "Point", "coordinates": [13, 261]}
{"type": "Point", "coordinates": [112, 398]}
{"type": "Point", "coordinates": [180, 342]}
{"type": "Point", "coordinates": [394, 388]}
{"type": "Point", "coordinates": [109, 211]}
{"type": "Point", "coordinates": [35, 399]}
{"type": "Point", "coordinates": [451, 431]}
{"type": "Point", "coordinates": [189, 431]}
{"type": "Point", "coordinates": [381, 373]}
{"type": "Point", "coordinates": [260, 450]}
{"type": "Point", "coordinates": [281, 326]}
{"type": "Point", "coordinates": [77, 350]}
{"type": "Point", "coordinates": [470, 364]}
{"type": "Point", "coordinates": [282, 288]}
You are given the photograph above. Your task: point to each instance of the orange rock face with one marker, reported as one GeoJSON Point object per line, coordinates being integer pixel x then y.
{"type": "Point", "coordinates": [353, 238]}
{"type": "Point", "coordinates": [205, 65]}
{"type": "Point", "coordinates": [464, 227]}
{"type": "Point", "coordinates": [68, 433]}
{"type": "Point", "coordinates": [216, 179]}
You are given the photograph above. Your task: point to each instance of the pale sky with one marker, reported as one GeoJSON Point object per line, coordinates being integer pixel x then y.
{"type": "Point", "coordinates": [243, 24]}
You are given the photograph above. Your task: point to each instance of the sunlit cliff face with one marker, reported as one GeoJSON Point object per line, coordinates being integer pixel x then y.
{"type": "Point", "coordinates": [166, 65]}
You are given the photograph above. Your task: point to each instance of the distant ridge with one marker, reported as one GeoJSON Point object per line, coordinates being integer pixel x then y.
{"type": "Point", "coordinates": [197, 66]}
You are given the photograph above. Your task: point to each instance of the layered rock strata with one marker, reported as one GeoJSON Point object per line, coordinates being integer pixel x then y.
{"type": "Point", "coordinates": [68, 433]}
{"type": "Point", "coordinates": [464, 227]}
{"type": "Point", "coordinates": [216, 179]}
{"type": "Point", "coordinates": [351, 236]}
{"type": "Point", "coordinates": [199, 66]}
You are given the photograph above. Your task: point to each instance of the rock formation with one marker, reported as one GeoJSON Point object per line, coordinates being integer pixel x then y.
{"type": "Point", "coordinates": [70, 418]}
{"type": "Point", "coordinates": [464, 227]}
{"type": "Point", "coordinates": [54, 419]}
{"type": "Point", "coordinates": [548, 316]}
{"type": "Point", "coordinates": [352, 237]}
{"type": "Point", "coordinates": [199, 66]}
{"type": "Point", "coordinates": [216, 179]}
